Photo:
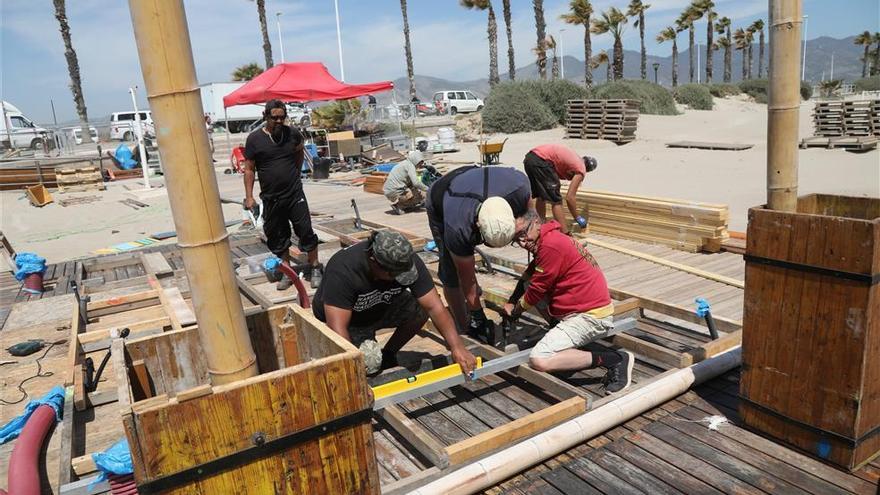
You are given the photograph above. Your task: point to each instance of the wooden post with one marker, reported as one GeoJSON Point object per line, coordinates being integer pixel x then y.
{"type": "Point", "coordinates": [169, 75]}
{"type": "Point", "coordinates": [783, 105]}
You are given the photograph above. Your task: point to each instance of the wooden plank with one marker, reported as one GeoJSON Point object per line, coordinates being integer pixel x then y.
{"type": "Point", "coordinates": [65, 452]}
{"type": "Point", "coordinates": [566, 482]}
{"type": "Point", "coordinates": [156, 264]}
{"type": "Point", "coordinates": [416, 435]}
{"type": "Point", "coordinates": [681, 480]}
{"type": "Point", "coordinates": [515, 430]}
{"type": "Point", "coordinates": [634, 476]}
{"type": "Point", "coordinates": [653, 351]}
{"type": "Point", "coordinates": [597, 476]}
{"type": "Point", "coordinates": [83, 465]}
{"type": "Point", "coordinates": [252, 293]}
{"type": "Point", "coordinates": [119, 302]}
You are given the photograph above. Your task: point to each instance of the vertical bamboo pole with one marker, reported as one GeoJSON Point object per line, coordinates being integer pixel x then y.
{"type": "Point", "coordinates": [783, 105]}
{"type": "Point", "coordinates": [169, 74]}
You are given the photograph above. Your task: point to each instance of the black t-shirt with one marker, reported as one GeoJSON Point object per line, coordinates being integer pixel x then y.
{"type": "Point", "coordinates": [347, 284]}
{"type": "Point", "coordinates": [278, 164]}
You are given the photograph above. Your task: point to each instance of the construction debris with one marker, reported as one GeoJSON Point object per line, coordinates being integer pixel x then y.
{"type": "Point", "coordinates": [81, 200]}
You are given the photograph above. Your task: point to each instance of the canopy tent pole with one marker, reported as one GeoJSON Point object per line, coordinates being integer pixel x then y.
{"type": "Point", "coordinates": [226, 123]}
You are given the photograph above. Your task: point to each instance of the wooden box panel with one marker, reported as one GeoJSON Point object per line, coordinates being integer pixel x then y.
{"type": "Point", "coordinates": [811, 332]}
{"type": "Point", "coordinates": [175, 420]}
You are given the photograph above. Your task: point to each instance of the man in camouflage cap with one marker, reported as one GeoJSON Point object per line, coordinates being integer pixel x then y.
{"type": "Point", "coordinates": [381, 283]}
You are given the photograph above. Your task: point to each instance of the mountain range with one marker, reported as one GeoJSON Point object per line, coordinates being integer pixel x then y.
{"type": "Point", "coordinates": [846, 55]}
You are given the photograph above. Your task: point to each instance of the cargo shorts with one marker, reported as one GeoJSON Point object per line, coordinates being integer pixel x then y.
{"type": "Point", "coordinates": [576, 330]}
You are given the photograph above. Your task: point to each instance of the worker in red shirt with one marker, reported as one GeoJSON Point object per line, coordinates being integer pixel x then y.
{"type": "Point", "coordinates": [546, 165]}
{"type": "Point", "coordinates": [566, 276]}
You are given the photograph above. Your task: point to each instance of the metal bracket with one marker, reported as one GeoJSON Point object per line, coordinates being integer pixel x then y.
{"type": "Point", "coordinates": [863, 278]}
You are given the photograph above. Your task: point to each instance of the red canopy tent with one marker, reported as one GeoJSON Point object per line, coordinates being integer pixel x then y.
{"type": "Point", "coordinates": [299, 82]}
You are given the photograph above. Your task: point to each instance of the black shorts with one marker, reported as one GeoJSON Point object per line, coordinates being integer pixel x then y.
{"type": "Point", "coordinates": [278, 215]}
{"type": "Point", "coordinates": [404, 308]}
{"type": "Point", "coordinates": [542, 178]}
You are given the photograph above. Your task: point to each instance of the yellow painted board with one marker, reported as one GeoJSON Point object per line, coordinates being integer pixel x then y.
{"type": "Point", "coordinates": [419, 380]}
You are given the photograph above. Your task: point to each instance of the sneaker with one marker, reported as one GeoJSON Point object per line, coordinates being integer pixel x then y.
{"type": "Point", "coordinates": [395, 210]}
{"type": "Point", "coordinates": [284, 283]}
{"type": "Point", "coordinates": [316, 276]}
{"type": "Point", "coordinates": [619, 376]}
{"type": "Point", "coordinates": [388, 360]}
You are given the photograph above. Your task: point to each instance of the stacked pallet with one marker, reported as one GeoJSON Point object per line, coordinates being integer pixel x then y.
{"type": "Point", "coordinates": [828, 119]}
{"type": "Point", "coordinates": [375, 182]}
{"type": "Point", "coordinates": [847, 118]}
{"type": "Point", "coordinates": [79, 179]}
{"type": "Point", "coordinates": [875, 116]}
{"type": "Point", "coordinates": [857, 118]}
{"type": "Point", "coordinates": [614, 120]}
{"type": "Point", "coordinates": [686, 225]}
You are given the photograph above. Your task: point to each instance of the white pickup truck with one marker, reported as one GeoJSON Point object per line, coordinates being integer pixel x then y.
{"type": "Point", "coordinates": [18, 131]}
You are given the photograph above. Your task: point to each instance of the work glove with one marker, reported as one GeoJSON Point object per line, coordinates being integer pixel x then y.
{"type": "Point", "coordinates": [581, 221]}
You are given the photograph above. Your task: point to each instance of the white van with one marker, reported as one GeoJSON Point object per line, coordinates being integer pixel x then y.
{"type": "Point", "coordinates": [457, 101]}
{"type": "Point", "coordinates": [18, 131]}
{"type": "Point", "coordinates": [122, 125]}
{"type": "Point", "coordinates": [76, 134]}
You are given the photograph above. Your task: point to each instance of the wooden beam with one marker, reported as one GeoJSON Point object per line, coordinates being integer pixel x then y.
{"type": "Point", "coordinates": [174, 304]}
{"type": "Point", "coordinates": [95, 399]}
{"type": "Point", "coordinates": [517, 429]}
{"type": "Point", "coordinates": [83, 464]}
{"type": "Point", "coordinates": [65, 451]}
{"type": "Point", "coordinates": [653, 351]}
{"type": "Point", "coordinates": [675, 311]}
{"type": "Point", "coordinates": [717, 346]}
{"type": "Point", "coordinates": [122, 301]}
{"type": "Point", "coordinates": [156, 264]}
{"type": "Point", "coordinates": [416, 435]}
{"type": "Point", "coordinates": [252, 293]}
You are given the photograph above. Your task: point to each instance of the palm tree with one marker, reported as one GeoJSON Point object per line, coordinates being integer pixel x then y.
{"type": "Point", "coordinates": [267, 47]}
{"type": "Point", "coordinates": [550, 44]}
{"type": "Point", "coordinates": [865, 39]}
{"type": "Point", "coordinates": [707, 10]}
{"type": "Point", "coordinates": [750, 38]}
{"type": "Point", "coordinates": [247, 72]}
{"type": "Point", "coordinates": [73, 69]}
{"type": "Point", "coordinates": [670, 34]}
{"type": "Point", "coordinates": [407, 48]}
{"type": "Point", "coordinates": [876, 68]}
{"type": "Point", "coordinates": [598, 60]}
{"type": "Point", "coordinates": [511, 62]}
{"type": "Point", "coordinates": [612, 21]}
{"type": "Point", "coordinates": [758, 27]}
{"type": "Point", "coordinates": [686, 20]}
{"type": "Point", "coordinates": [723, 27]}
{"type": "Point", "coordinates": [580, 12]}
{"type": "Point", "coordinates": [541, 29]}
{"type": "Point", "coordinates": [492, 31]}
{"type": "Point", "coordinates": [637, 8]}
{"type": "Point", "coordinates": [742, 39]}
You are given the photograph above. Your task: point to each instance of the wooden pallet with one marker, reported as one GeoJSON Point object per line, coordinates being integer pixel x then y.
{"type": "Point", "coordinates": [850, 143]}
{"type": "Point", "coordinates": [79, 179]}
{"type": "Point", "coordinates": [709, 146]}
{"type": "Point", "coordinates": [614, 120]}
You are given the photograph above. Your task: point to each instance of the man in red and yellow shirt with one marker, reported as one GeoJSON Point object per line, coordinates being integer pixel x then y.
{"type": "Point", "coordinates": [546, 165]}
{"type": "Point", "coordinates": [568, 279]}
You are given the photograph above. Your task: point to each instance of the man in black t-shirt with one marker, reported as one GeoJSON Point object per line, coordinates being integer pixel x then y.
{"type": "Point", "coordinates": [276, 153]}
{"type": "Point", "coordinates": [381, 283]}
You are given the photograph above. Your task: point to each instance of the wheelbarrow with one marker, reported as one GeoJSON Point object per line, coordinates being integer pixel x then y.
{"type": "Point", "coordinates": [491, 152]}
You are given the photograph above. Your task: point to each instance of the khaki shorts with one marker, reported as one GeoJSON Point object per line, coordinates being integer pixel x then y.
{"type": "Point", "coordinates": [576, 330]}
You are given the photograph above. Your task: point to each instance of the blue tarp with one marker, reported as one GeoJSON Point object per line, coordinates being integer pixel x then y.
{"type": "Point", "coordinates": [27, 263]}
{"type": "Point", "coordinates": [12, 429]}
{"type": "Point", "coordinates": [124, 157]}
{"type": "Point", "coordinates": [115, 460]}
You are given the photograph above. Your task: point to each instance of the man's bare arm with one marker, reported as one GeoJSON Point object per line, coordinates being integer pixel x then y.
{"type": "Point", "coordinates": [249, 175]}
{"type": "Point", "coordinates": [338, 320]}
{"type": "Point", "coordinates": [571, 195]}
{"type": "Point", "coordinates": [467, 278]}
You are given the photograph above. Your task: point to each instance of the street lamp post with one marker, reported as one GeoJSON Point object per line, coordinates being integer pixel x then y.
{"type": "Point", "coordinates": [656, 66]}
{"type": "Point", "coordinates": [804, 63]}
{"type": "Point", "coordinates": [561, 55]}
{"type": "Point", "coordinates": [339, 41]}
{"type": "Point", "coordinates": [280, 42]}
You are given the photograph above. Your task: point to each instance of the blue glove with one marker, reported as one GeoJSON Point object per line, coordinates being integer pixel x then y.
{"type": "Point", "coordinates": [581, 221]}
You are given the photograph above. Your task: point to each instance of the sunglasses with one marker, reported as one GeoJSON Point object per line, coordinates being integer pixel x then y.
{"type": "Point", "coordinates": [277, 118]}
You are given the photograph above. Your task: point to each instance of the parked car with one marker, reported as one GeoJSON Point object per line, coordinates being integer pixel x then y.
{"type": "Point", "coordinates": [122, 125]}
{"type": "Point", "coordinates": [457, 101]}
{"type": "Point", "coordinates": [18, 131]}
{"type": "Point", "coordinates": [76, 132]}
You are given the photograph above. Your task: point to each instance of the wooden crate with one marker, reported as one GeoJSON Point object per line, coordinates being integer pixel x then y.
{"type": "Point", "coordinates": [301, 426]}
{"type": "Point", "coordinates": [375, 182]}
{"type": "Point", "coordinates": [811, 329]}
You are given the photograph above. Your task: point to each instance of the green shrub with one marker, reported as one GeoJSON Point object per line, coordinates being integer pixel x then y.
{"type": "Point", "coordinates": [758, 89]}
{"type": "Point", "coordinates": [511, 108]}
{"type": "Point", "coordinates": [695, 96]}
{"type": "Point", "coordinates": [723, 90]}
{"type": "Point", "coordinates": [867, 84]}
{"type": "Point", "coordinates": [655, 99]}
{"type": "Point", "coordinates": [555, 93]}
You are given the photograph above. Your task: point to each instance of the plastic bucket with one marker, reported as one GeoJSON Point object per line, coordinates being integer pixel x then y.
{"type": "Point", "coordinates": [33, 283]}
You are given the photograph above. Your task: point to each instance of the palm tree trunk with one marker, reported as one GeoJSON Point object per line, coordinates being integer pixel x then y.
{"type": "Point", "coordinates": [511, 62]}
{"type": "Point", "coordinates": [750, 61]}
{"type": "Point", "coordinates": [876, 68]}
{"type": "Point", "coordinates": [691, 52]}
{"type": "Point", "coordinates": [644, 65]}
{"type": "Point", "coordinates": [674, 64]}
{"type": "Point", "coordinates": [73, 70]}
{"type": "Point", "coordinates": [761, 55]}
{"type": "Point", "coordinates": [710, 30]}
{"type": "Point", "coordinates": [745, 74]}
{"type": "Point", "coordinates": [865, 61]}
{"type": "Point", "coordinates": [588, 54]}
{"type": "Point", "coordinates": [540, 27]}
{"type": "Point", "coordinates": [618, 59]}
{"type": "Point", "coordinates": [492, 30]}
{"type": "Point", "coordinates": [608, 71]}
{"type": "Point", "coordinates": [267, 47]}
{"type": "Point", "coordinates": [554, 70]}
{"type": "Point", "coordinates": [408, 49]}
{"type": "Point", "coordinates": [728, 57]}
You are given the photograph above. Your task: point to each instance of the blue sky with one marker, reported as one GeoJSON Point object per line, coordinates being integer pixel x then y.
{"type": "Point", "coordinates": [448, 41]}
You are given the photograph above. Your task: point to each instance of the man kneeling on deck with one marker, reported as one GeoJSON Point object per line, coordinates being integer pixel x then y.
{"type": "Point", "coordinates": [381, 283]}
{"type": "Point", "coordinates": [403, 187]}
{"type": "Point", "coordinates": [567, 277]}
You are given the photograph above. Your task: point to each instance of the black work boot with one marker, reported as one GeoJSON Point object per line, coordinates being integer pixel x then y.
{"type": "Point", "coordinates": [619, 376]}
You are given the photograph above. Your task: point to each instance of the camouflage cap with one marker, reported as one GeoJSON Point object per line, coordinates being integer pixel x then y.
{"type": "Point", "coordinates": [394, 253]}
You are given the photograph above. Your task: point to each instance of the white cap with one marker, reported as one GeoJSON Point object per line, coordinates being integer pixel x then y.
{"type": "Point", "coordinates": [496, 221]}
{"type": "Point", "coordinates": [415, 157]}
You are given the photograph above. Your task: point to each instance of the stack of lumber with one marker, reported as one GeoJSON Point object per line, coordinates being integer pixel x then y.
{"type": "Point", "coordinates": [383, 153]}
{"type": "Point", "coordinates": [78, 179]}
{"type": "Point", "coordinates": [375, 182]}
{"type": "Point", "coordinates": [828, 118]}
{"type": "Point", "coordinates": [614, 120]}
{"type": "Point", "coordinates": [686, 225]}
{"type": "Point", "coordinates": [857, 118]}
{"type": "Point", "coordinates": [875, 116]}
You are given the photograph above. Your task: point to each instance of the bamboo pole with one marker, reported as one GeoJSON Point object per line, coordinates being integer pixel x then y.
{"type": "Point", "coordinates": [516, 458]}
{"type": "Point", "coordinates": [165, 52]}
{"type": "Point", "coordinates": [783, 105]}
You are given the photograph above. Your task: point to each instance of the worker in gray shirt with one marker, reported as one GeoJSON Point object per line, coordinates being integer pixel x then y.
{"type": "Point", "coordinates": [403, 187]}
